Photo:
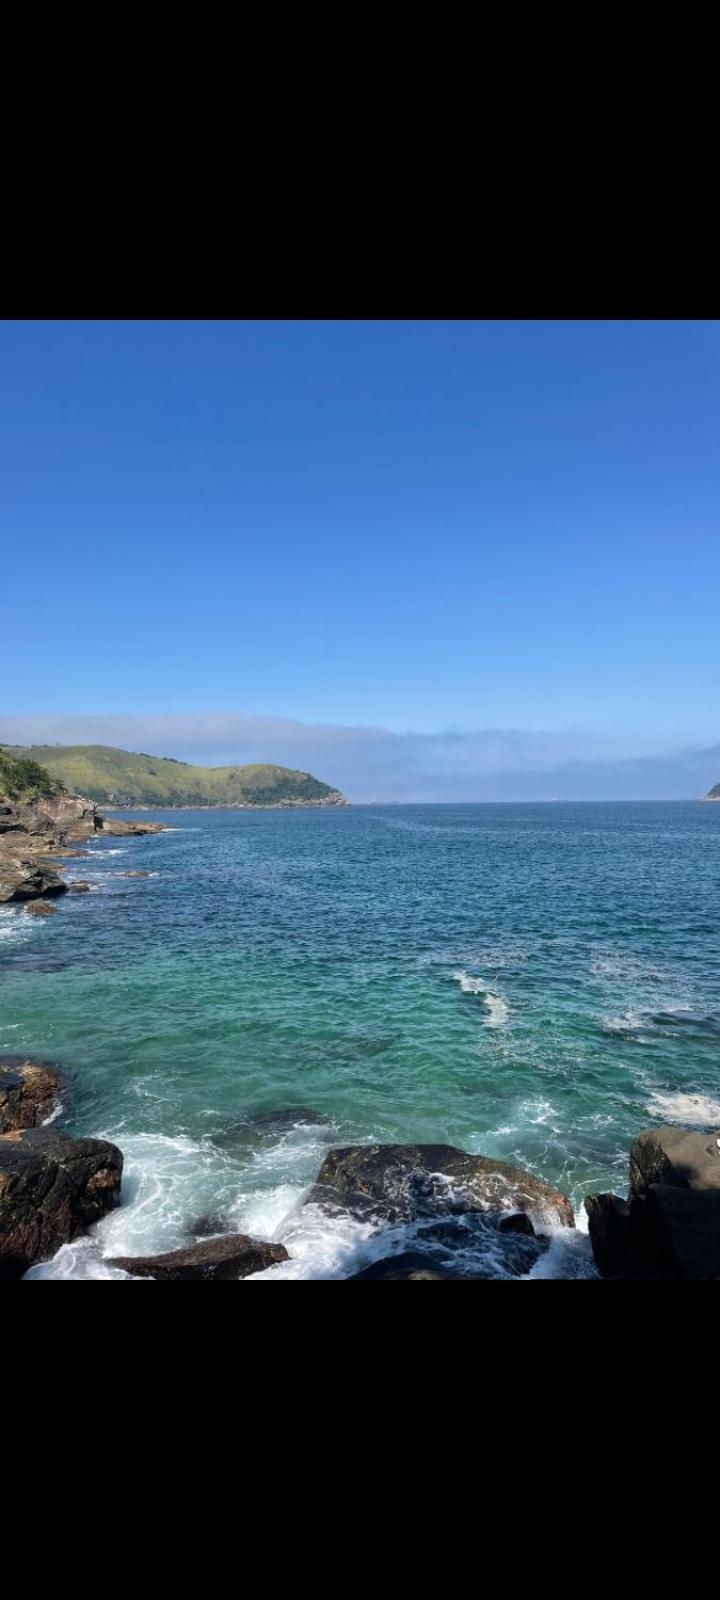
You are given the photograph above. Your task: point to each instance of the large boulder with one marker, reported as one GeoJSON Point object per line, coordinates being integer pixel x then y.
{"type": "Point", "coordinates": [69, 815]}
{"type": "Point", "coordinates": [670, 1225]}
{"type": "Point", "coordinates": [30, 1091]}
{"type": "Point", "coordinates": [623, 1245]}
{"type": "Point", "coordinates": [399, 1183]}
{"type": "Point", "coordinates": [233, 1255]}
{"type": "Point", "coordinates": [674, 1156]}
{"type": "Point", "coordinates": [23, 879]}
{"type": "Point", "coordinates": [52, 1188]}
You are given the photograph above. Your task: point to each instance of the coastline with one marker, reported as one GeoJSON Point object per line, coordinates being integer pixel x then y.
{"type": "Point", "coordinates": [441, 1229]}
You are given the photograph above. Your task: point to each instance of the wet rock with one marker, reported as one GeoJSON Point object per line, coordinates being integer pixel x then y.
{"type": "Point", "coordinates": [516, 1222]}
{"type": "Point", "coordinates": [472, 1240]}
{"type": "Point", "coordinates": [40, 908]}
{"type": "Point", "coordinates": [410, 1264]}
{"type": "Point", "coordinates": [29, 1093]}
{"type": "Point", "coordinates": [136, 874]}
{"type": "Point", "coordinates": [80, 886]}
{"type": "Point", "coordinates": [294, 1116]}
{"type": "Point", "coordinates": [249, 1130]}
{"type": "Point", "coordinates": [232, 1256]}
{"type": "Point", "coordinates": [207, 1227]}
{"type": "Point", "coordinates": [399, 1183]}
{"type": "Point", "coordinates": [113, 825]}
{"type": "Point", "coordinates": [52, 1188]}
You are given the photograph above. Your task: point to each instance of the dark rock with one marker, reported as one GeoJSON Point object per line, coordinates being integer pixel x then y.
{"type": "Point", "coordinates": [516, 1222]}
{"type": "Point", "coordinates": [674, 1156]}
{"type": "Point", "coordinates": [268, 1125]}
{"type": "Point", "coordinates": [52, 1188]}
{"type": "Point", "coordinates": [397, 1183]}
{"type": "Point", "coordinates": [280, 1121]}
{"type": "Point", "coordinates": [232, 1256]}
{"type": "Point", "coordinates": [670, 1226]}
{"type": "Point", "coordinates": [686, 1225]}
{"type": "Point", "coordinates": [27, 880]}
{"type": "Point", "coordinates": [207, 1227]}
{"type": "Point", "coordinates": [113, 826]}
{"type": "Point", "coordinates": [411, 1264]}
{"type": "Point", "coordinates": [29, 1093]}
{"type": "Point", "coordinates": [473, 1240]}
{"type": "Point", "coordinates": [621, 1243]}
{"type": "Point", "coordinates": [40, 908]}
{"type": "Point", "coordinates": [80, 886]}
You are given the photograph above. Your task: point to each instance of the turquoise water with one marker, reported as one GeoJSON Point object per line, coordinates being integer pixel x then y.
{"type": "Point", "coordinates": [536, 982]}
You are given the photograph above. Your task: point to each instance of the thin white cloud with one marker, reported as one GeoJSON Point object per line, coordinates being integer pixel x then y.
{"type": "Point", "coordinates": [370, 763]}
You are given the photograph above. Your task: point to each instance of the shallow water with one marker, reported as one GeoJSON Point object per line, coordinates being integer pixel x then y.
{"type": "Point", "coordinates": [533, 982]}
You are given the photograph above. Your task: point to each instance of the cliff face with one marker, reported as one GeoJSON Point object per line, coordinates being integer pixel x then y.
{"type": "Point", "coordinates": [37, 817]}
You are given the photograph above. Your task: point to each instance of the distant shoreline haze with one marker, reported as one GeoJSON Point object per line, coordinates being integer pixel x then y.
{"type": "Point", "coordinates": [367, 766]}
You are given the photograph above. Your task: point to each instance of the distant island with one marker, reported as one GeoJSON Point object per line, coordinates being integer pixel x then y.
{"type": "Point", "coordinates": [125, 780]}
{"type": "Point", "coordinates": [714, 793]}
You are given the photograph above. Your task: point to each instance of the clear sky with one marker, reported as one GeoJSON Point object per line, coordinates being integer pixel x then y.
{"type": "Point", "coordinates": [419, 526]}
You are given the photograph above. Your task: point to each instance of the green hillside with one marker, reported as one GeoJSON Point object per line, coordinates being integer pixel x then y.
{"type": "Point", "coordinates": [23, 781]}
{"type": "Point", "coordinates": [120, 778]}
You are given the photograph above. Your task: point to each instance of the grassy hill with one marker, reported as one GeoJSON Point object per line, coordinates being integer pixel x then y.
{"type": "Point", "coordinates": [24, 781]}
{"type": "Point", "coordinates": [121, 778]}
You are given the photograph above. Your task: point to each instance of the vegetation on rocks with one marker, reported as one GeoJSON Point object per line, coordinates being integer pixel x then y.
{"type": "Point", "coordinates": [24, 780]}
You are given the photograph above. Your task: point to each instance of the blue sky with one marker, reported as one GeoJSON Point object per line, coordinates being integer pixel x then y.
{"type": "Point", "coordinates": [411, 526]}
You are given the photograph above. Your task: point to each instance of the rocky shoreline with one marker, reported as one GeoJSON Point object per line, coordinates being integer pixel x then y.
{"type": "Point", "coordinates": [54, 1188]}
{"type": "Point", "coordinates": [34, 837]}
{"type": "Point", "coordinates": [456, 1206]}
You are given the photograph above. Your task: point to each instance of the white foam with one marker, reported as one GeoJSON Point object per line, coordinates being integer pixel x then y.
{"type": "Point", "coordinates": [569, 1254]}
{"type": "Point", "coordinates": [167, 1183]}
{"type": "Point", "coordinates": [496, 1007]}
{"type": "Point", "coordinates": [697, 1109]}
{"type": "Point", "coordinates": [630, 1021]}
{"type": "Point", "coordinates": [15, 926]}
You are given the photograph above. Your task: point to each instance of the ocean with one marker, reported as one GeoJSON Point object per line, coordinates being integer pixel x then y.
{"type": "Point", "coordinates": [532, 982]}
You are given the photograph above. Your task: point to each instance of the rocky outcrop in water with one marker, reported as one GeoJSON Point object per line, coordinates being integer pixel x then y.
{"type": "Point", "coordinates": [33, 830]}
{"type": "Point", "coordinates": [234, 1255]}
{"type": "Point", "coordinates": [52, 1188]}
{"type": "Point", "coordinates": [21, 878]}
{"type": "Point", "coordinates": [30, 1091]}
{"type": "Point", "coordinates": [670, 1225]}
{"type": "Point", "coordinates": [255, 1129]}
{"type": "Point", "coordinates": [114, 826]}
{"type": "Point", "coordinates": [399, 1183]}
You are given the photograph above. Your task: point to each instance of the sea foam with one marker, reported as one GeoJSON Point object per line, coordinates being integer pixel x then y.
{"type": "Point", "coordinates": [496, 1007]}
{"type": "Point", "coordinates": [699, 1110]}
